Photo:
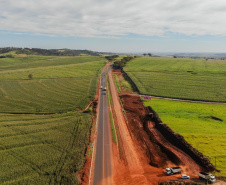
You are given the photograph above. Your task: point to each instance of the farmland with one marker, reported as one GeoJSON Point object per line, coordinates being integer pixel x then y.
{"type": "Point", "coordinates": [43, 137]}
{"type": "Point", "coordinates": [195, 79]}
{"type": "Point", "coordinates": [202, 125]}
{"type": "Point", "coordinates": [58, 84]}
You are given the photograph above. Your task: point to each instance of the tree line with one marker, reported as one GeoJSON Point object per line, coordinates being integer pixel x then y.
{"type": "Point", "coordinates": [120, 63]}
{"type": "Point", "coordinates": [48, 52]}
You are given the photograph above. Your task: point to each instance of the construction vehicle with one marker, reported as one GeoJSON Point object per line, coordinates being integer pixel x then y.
{"type": "Point", "coordinates": [209, 178]}
{"type": "Point", "coordinates": [173, 170]}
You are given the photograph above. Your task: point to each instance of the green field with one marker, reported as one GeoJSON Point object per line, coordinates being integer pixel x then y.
{"type": "Point", "coordinates": [59, 84]}
{"type": "Point", "coordinates": [195, 79]}
{"type": "Point", "coordinates": [198, 123]}
{"type": "Point", "coordinates": [42, 149]}
{"type": "Point", "coordinates": [43, 137]}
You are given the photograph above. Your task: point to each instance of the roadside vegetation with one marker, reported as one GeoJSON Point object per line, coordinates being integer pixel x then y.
{"type": "Point", "coordinates": [195, 79]}
{"type": "Point", "coordinates": [110, 104]}
{"type": "Point", "coordinates": [43, 137]}
{"type": "Point", "coordinates": [117, 83]}
{"type": "Point", "coordinates": [202, 125]}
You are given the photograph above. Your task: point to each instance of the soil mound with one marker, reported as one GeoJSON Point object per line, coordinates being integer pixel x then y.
{"type": "Point", "coordinates": [159, 145]}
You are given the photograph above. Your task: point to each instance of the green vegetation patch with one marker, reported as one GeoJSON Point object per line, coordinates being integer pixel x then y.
{"type": "Point", "coordinates": [195, 79]}
{"type": "Point", "coordinates": [117, 83]}
{"type": "Point", "coordinates": [113, 130]}
{"type": "Point", "coordinates": [42, 149]}
{"type": "Point", "coordinates": [122, 83]}
{"type": "Point", "coordinates": [53, 89]}
{"type": "Point", "coordinates": [202, 125]}
{"type": "Point", "coordinates": [43, 138]}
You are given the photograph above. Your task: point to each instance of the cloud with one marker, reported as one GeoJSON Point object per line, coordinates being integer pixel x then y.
{"type": "Point", "coordinates": [114, 18]}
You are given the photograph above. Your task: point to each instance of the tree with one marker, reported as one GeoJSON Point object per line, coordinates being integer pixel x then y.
{"type": "Point", "coordinates": [149, 54]}
{"type": "Point", "coordinates": [30, 76]}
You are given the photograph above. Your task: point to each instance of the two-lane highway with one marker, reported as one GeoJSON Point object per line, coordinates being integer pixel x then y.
{"type": "Point", "coordinates": [102, 172]}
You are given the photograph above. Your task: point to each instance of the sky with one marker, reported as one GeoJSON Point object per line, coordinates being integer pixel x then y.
{"type": "Point", "coordinates": [115, 25]}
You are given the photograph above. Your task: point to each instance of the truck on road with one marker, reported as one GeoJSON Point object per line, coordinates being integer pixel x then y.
{"type": "Point", "coordinates": [173, 170]}
{"type": "Point", "coordinates": [209, 178]}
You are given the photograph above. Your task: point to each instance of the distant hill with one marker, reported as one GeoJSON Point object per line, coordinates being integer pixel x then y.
{"type": "Point", "coordinates": [48, 52]}
{"type": "Point", "coordinates": [201, 55]}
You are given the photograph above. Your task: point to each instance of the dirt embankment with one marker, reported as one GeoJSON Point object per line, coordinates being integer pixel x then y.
{"type": "Point", "coordinates": [179, 141]}
{"type": "Point", "coordinates": [161, 144]}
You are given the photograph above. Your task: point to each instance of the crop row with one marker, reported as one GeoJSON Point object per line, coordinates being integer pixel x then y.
{"type": "Point", "coordinates": [42, 61]}
{"type": "Point", "coordinates": [185, 79]}
{"type": "Point", "coordinates": [46, 151]}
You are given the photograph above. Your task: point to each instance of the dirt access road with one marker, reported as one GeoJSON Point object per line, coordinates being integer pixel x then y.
{"type": "Point", "coordinates": [133, 171]}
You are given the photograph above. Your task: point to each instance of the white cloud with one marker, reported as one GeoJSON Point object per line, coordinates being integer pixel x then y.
{"type": "Point", "coordinates": [103, 18]}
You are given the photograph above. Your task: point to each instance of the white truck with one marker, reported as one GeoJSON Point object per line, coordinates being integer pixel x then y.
{"type": "Point", "coordinates": [209, 178]}
{"type": "Point", "coordinates": [173, 170]}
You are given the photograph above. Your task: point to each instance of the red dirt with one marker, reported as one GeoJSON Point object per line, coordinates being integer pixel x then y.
{"type": "Point", "coordinates": [145, 146]}
{"type": "Point", "coordinates": [117, 71]}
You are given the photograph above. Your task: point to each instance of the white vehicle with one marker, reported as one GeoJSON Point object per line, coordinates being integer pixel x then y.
{"type": "Point", "coordinates": [173, 170]}
{"type": "Point", "coordinates": [185, 176]}
{"type": "Point", "coordinates": [207, 177]}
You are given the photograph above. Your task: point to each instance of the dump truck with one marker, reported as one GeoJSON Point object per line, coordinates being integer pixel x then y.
{"type": "Point", "coordinates": [209, 178]}
{"type": "Point", "coordinates": [173, 170]}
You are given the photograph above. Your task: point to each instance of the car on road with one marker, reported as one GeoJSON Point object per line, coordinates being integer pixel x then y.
{"type": "Point", "coordinates": [185, 176]}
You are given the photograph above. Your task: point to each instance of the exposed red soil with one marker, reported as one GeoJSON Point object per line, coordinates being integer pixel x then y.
{"type": "Point", "coordinates": [155, 147]}
{"type": "Point", "coordinates": [117, 71]}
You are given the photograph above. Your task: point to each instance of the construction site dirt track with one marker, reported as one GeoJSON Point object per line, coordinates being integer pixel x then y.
{"type": "Point", "coordinates": [157, 146]}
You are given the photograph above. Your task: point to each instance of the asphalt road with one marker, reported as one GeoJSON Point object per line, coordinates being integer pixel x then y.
{"type": "Point", "coordinates": [103, 156]}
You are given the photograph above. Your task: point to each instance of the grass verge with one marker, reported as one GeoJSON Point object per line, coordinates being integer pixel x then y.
{"type": "Point", "coordinates": [113, 130]}
{"type": "Point", "coordinates": [117, 83]}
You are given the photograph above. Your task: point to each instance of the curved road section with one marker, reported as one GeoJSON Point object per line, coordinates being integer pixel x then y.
{"type": "Point", "coordinates": [102, 172]}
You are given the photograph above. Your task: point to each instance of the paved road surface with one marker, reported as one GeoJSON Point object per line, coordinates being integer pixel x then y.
{"type": "Point", "coordinates": [103, 156]}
